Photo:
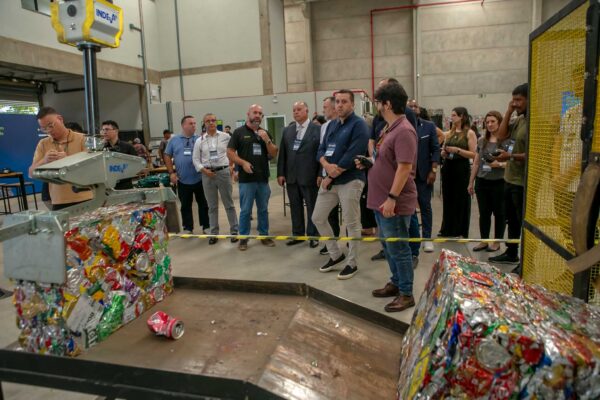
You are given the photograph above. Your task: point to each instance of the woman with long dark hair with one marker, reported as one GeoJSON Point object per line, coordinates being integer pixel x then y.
{"type": "Point", "coordinates": [487, 182]}
{"type": "Point", "coordinates": [460, 146]}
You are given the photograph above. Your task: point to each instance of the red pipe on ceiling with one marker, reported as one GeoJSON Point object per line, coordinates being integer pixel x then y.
{"type": "Point", "coordinates": [412, 6]}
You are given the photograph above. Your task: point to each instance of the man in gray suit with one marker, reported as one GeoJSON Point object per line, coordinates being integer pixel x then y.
{"type": "Point", "coordinates": [298, 169]}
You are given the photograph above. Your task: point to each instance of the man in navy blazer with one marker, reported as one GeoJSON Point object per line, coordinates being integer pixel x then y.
{"type": "Point", "coordinates": [298, 169]}
{"type": "Point", "coordinates": [428, 158]}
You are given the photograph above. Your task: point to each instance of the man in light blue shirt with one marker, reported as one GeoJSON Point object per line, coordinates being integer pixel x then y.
{"type": "Point", "coordinates": [189, 182]}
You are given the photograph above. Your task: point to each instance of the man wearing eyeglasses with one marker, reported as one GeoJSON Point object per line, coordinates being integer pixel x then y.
{"type": "Point", "coordinates": [210, 159]}
{"type": "Point", "coordinates": [61, 142]}
{"type": "Point", "coordinates": [110, 132]}
{"type": "Point", "coordinates": [178, 159]}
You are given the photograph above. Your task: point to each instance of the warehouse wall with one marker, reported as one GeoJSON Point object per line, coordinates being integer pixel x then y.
{"type": "Point", "coordinates": [459, 54]}
{"type": "Point", "coordinates": [116, 100]}
{"type": "Point", "coordinates": [277, 41]}
{"type": "Point", "coordinates": [220, 44]}
{"type": "Point", "coordinates": [342, 46]}
{"type": "Point", "coordinates": [473, 55]}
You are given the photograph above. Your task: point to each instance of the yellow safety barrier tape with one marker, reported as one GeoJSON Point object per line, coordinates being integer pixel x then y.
{"type": "Point", "coordinates": [344, 238]}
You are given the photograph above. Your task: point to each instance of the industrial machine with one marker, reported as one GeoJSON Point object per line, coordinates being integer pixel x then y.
{"type": "Point", "coordinates": [89, 25]}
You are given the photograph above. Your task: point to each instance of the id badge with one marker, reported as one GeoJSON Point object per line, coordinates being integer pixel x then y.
{"type": "Point", "coordinates": [256, 149]}
{"type": "Point", "coordinates": [213, 155]}
{"type": "Point", "coordinates": [330, 150]}
{"type": "Point", "coordinates": [296, 144]}
{"type": "Point", "coordinates": [187, 151]}
{"type": "Point", "coordinates": [486, 168]}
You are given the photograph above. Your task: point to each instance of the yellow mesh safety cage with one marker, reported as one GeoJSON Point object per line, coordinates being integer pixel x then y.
{"type": "Point", "coordinates": [555, 148]}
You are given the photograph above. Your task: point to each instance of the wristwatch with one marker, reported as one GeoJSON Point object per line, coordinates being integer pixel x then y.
{"type": "Point", "coordinates": [392, 196]}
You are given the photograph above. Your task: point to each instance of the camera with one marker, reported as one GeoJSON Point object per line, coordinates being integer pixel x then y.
{"type": "Point", "coordinates": [489, 157]}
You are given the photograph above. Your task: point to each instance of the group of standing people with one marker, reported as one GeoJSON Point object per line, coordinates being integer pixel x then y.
{"type": "Point", "coordinates": [496, 177]}
{"type": "Point", "coordinates": [326, 165]}
{"type": "Point", "coordinates": [326, 169]}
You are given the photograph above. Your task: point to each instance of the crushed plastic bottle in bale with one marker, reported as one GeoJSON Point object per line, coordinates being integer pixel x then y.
{"type": "Point", "coordinates": [480, 333]}
{"type": "Point", "coordinates": [117, 268]}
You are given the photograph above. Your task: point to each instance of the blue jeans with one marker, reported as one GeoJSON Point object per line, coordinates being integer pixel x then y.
{"type": "Point", "coordinates": [413, 232]}
{"type": "Point", "coordinates": [397, 254]}
{"type": "Point", "coordinates": [248, 193]}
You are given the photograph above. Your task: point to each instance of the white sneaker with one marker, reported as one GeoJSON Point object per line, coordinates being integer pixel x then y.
{"type": "Point", "coordinates": [428, 247]}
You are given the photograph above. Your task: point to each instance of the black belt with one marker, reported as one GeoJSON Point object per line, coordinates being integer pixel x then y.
{"type": "Point", "coordinates": [215, 169]}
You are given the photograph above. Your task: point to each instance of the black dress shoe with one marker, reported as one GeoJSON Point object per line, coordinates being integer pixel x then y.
{"type": "Point", "coordinates": [329, 265]}
{"type": "Point", "coordinates": [313, 243]}
{"type": "Point", "coordinates": [378, 256]}
{"type": "Point", "coordinates": [234, 240]}
{"type": "Point", "coordinates": [293, 242]}
{"type": "Point", "coordinates": [212, 240]}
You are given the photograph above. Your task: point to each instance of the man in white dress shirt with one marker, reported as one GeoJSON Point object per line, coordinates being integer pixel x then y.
{"type": "Point", "coordinates": [210, 158]}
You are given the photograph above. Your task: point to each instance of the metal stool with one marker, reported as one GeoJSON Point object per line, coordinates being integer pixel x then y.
{"type": "Point", "coordinates": [5, 196]}
{"type": "Point", "coordinates": [7, 186]}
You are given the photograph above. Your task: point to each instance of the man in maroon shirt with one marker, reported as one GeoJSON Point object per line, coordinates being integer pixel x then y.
{"type": "Point", "coordinates": [393, 194]}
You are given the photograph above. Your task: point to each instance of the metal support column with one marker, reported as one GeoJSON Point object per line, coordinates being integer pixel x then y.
{"type": "Point", "coordinates": [90, 79]}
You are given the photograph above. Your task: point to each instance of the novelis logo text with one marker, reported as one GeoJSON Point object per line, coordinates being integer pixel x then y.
{"type": "Point", "coordinates": [118, 168]}
{"type": "Point", "coordinates": [110, 17]}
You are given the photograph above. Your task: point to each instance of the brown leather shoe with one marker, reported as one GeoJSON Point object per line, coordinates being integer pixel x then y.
{"type": "Point", "coordinates": [243, 245]}
{"type": "Point", "coordinates": [400, 303]}
{"type": "Point", "coordinates": [268, 242]}
{"type": "Point", "coordinates": [389, 290]}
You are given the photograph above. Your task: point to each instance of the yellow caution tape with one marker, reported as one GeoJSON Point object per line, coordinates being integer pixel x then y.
{"type": "Point", "coordinates": [345, 238]}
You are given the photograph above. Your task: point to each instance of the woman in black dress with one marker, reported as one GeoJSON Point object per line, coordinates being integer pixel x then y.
{"type": "Point", "coordinates": [460, 146]}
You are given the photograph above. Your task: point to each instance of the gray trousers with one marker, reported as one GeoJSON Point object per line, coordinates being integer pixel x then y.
{"type": "Point", "coordinates": [220, 184]}
{"type": "Point", "coordinates": [348, 195]}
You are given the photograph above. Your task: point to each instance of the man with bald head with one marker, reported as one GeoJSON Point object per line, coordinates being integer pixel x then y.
{"type": "Point", "coordinates": [251, 147]}
{"type": "Point", "coordinates": [298, 169]}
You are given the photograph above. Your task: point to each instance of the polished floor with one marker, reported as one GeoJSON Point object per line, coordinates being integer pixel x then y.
{"type": "Point", "coordinates": [196, 258]}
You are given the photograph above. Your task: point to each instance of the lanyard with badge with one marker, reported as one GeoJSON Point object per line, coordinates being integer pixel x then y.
{"type": "Point", "coordinates": [296, 145]}
{"type": "Point", "coordinates": [213, 155]}
{"type": "Point", "coordinates": [256, 147]}
{"type": "Point", "coordinates": [187, 149]}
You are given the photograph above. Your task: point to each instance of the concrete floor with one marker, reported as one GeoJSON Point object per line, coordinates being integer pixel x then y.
{"type": "Point", "coordinates": [195, 258]}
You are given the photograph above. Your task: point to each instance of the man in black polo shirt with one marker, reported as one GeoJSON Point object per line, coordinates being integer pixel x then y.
{"type": "Point", "coordinates": [251, 147]}
{"type": "Point", "coordinates": [110, 131]}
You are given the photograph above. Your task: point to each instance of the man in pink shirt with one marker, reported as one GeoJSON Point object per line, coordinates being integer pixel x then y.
{"type": "Point", "coordinates": [392, 192]}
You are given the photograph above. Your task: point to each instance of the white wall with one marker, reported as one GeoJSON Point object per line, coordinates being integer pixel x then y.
{"type": "Point", "coordinates": [211, 32]}
{"type": "Point", "coordinates": [117, 101]}
{"type": "Point", "coordinates": [244, 82]}
{"type": "Point", "coordinates": [233, 109]}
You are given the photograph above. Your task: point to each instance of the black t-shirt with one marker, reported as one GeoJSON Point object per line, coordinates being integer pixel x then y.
{"type": "Point", "coordinates": [124, 148]}
{"type": "Point", "coordinates": [252, 148]}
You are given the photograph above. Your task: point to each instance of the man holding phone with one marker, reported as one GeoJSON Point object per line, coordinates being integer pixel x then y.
{"type": "Point", "coordinates": [393, 192]}
{"type": "Point", "coordinates": [251, 147]}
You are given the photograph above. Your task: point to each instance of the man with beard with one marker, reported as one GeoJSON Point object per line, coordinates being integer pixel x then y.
{"type": "Point", "coordinates": [251, 147]}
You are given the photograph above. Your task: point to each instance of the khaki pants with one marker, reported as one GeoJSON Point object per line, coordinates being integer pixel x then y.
{"type": "Point", "coordinates": [348, 196]}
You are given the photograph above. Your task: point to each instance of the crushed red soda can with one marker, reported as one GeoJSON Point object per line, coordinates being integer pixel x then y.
{"type": "Point", "coordinates": [164, 325]}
